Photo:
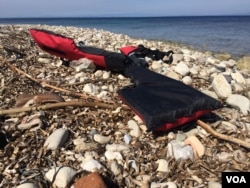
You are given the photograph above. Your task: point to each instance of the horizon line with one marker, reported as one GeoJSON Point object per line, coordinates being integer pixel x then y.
{"type": "Point", "coordinates": [36, 17]}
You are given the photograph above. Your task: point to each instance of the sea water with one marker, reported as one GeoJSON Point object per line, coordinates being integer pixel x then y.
{"type": "Point", "coordinates": [218, 34]}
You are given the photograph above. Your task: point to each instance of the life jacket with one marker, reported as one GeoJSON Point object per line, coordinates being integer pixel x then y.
{"type": "Point", "coordinates": [162, 103]}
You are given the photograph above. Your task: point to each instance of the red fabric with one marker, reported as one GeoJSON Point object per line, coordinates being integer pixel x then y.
{"type": "Point", "coordinates": [173, 125]}
{"type": "Point", "coordinates": [53, 43]}
{"type": "Point", "coordinates": [128, 49]}
{"type": "Point", "coordinates": [182, 121]}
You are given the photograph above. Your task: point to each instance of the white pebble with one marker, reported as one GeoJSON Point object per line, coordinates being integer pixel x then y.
{"type": "Point", "coordinates": [212, 184]}
{"type": "Point", "coordinates": [57, 139]}
{"type": "Point", "coordinates": [80, 75]}
{"type": "Point", "coordinates": [221, 87]}
{"type": "Point", "coordinates": [161, 185]}
{"type": "Point", "coordinates": [90, 89]}
{"type": "Point", "coordinates": [27, 185]}
{"type": "Point", "coordinates": [111, 155]}
{"type": "Point", "coordinates": [60, 176]}
{"type": "Point", "coordinates": [91, 165]}
{"type": "Point", "coordinates": [162, 165]}
{"type": "Point", "coordinates": [116, 147]}
{"type": "Point", "coordinates": [106, 75]}
{"type": "Point", "coordinates": [240, 102]}
{"type": "Point", "coordinates": [187, 80]}
{"type": "Point", "coordinates": [101, 139]}
{"type": "Point", "coordinates": [114, 167]}
{"type": "Point", "coordinates": [44, 60]}
{"type": "Point", "coordinates": [102, 95]}
{"type": "Point", "coordinates": [238, 78]}
{"type": "Point", "coordinates": [179, 150]}
{"type": "Point", "coordinates": [98, 73]}
{"type": "Point", "coordinates": [182, 69]}
{"type": "Point", "coordinates": [127, 138]}
{"type": "Point", "coordinates": [135, 129]}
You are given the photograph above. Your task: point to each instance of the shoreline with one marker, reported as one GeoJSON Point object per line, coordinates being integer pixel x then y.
{"type": "Point", "coordinates": [180, 44]}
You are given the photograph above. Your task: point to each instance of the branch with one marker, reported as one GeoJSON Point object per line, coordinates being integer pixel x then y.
{"type": "Point", "coordinates": [44, 84]}
{"type": "Point", "coordinates": [222, 136]}
{"type": "Point", "coordinates": [57, 105]}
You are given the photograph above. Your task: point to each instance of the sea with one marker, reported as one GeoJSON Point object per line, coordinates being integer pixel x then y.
{"type": "Point", "coordinates": [218, 34]}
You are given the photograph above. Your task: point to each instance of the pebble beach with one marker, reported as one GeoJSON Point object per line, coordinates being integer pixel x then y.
{"type": "Point", "coordinates": [92, 135]}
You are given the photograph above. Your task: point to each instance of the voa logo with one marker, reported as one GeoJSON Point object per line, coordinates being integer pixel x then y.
{"type": "Point", "coordinates": [236, 179]}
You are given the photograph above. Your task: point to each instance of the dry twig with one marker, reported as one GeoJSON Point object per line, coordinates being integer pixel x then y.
{"type": "Point", "coordinates": [44, 84]}
{"type": "Point", "coordinates": [57, 105]}
{"type": "Point", "coordinates": [222, 136]}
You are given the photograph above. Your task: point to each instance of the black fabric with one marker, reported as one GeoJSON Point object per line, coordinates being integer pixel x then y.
{"type": "Point", "coordinates": [159, 100]}
{"type": "Point", "coordinates": [155, 54]}
{"type": "Point", "coordinates": [114, 61]}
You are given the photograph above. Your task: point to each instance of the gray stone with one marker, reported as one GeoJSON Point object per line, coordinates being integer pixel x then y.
{"type": "Point", "coordinates": [182, 69]}
{"type": "Point", "coordinates": [221, 87]}
{"type": "Point", "coordinates": [57, 139]}
{"type": "Point", "coordinates": [240, 102]}
{"type": "Point", "coordinates": [177, 58]}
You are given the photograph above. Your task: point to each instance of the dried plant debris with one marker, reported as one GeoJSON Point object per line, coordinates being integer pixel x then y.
{"type": "Point", "coordinates": [38, 147]}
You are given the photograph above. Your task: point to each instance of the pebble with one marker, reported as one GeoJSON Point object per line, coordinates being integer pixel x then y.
{"type": "Point", "coordinates": [177, 58]}
{"type": "Point", "coordinates": [92, 180]}
{"type": "Point", "coordinates": [111, 155]}
{"type": "Point", "coordinates": [162, 185]}
{"type": "Point", "coordinates": [85, 64]}
{"type": "Point", "coordinates": [156, 66]}
{"type": "Point", "coordinates": [127, 138]}
{"type": "Point", "coordinates": [213, 184]}
{"type": "Point", "coordinates": [221, 87]}
{"type": "Point", "coordinates": [182, 68]}
{"type": "Point", "coordinates": [115, 168]}
{"type": "Point", "coordinates": [44, 60]}
{"type": "Point", "coordinates": [81, 145]}
{"type": "Point", "coordinates": [162, 165]}
{"type": "Point", "coordinates": [187, 80]}
{"type": "Point", "coordinates": [117, 147]}
{"type": "Point", "coordinates": [60, 176]}
{"type": "Point", "coordinates": [101, 139]}
{"type": "Point", "coordinates": [135, 129]}
{"type": "Point", "coordinates": [57, 139]}
{"type": "Point", "coordinates": [179, 150]}
{"type": "Point", "coordinates": [27, 185]}
{"type": "Point", "coordinates": [238, 77]}
{"type": "Point", "coordinates": [91, 89]}
{"type": "Point", "coordinates": [91, 165]}
{"type": "Point", "coordinates": [106, 75]}
{"type": "Point", "coordinates": [239, 101]}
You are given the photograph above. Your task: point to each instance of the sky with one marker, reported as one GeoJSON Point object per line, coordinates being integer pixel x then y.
{"type": "Point", "coordinates": [121, 8]}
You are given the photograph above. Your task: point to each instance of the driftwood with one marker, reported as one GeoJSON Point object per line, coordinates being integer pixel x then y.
{"type": "Point", "coordinates": [57, 105]}
{"type": "Point", "coordinates": [222, 136]}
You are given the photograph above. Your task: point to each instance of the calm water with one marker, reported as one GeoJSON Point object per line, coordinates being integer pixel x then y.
{"type": "Point", "coordinates": [217, 34]}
